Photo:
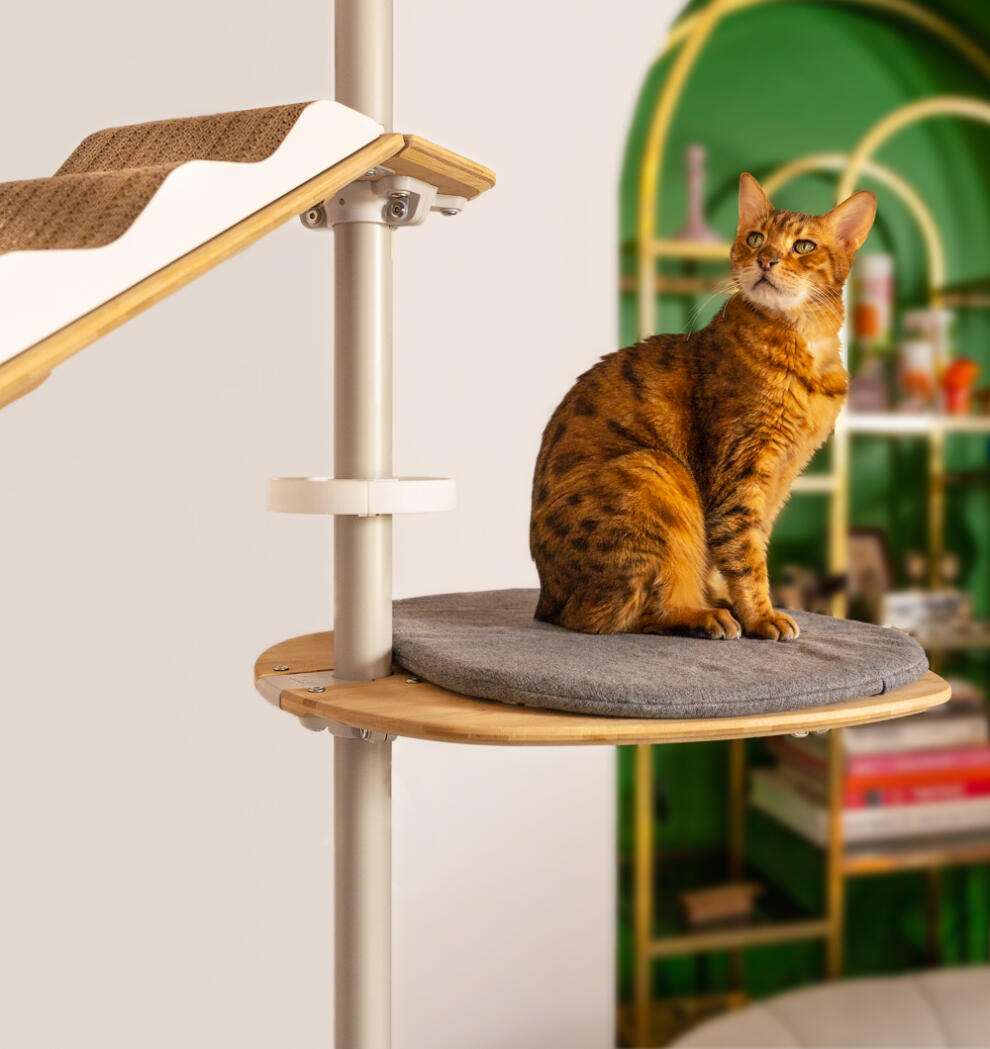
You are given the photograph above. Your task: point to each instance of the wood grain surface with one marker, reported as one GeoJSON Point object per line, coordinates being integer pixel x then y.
{"type": "Point", "coordinates": [420, 710]}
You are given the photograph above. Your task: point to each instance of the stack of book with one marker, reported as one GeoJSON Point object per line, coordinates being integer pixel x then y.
{"type": "Point", "coordinates": [923, 776]}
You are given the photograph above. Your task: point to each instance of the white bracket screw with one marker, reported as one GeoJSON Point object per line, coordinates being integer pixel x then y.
{"type": "Point", "coordinates": [392, 200]}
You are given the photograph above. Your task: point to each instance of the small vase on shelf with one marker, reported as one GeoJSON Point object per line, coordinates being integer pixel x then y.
{"type": "Point", "coordinates": [696, 228]}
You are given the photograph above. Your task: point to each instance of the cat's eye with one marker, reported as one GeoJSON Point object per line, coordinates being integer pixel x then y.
{"type": "Point", "coordinates": [754, 240]}
{"type": "Point", "coordinates": [802, 247]}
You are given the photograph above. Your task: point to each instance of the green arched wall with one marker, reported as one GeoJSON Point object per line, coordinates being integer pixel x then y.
{"type": "Point", "coordinates": [776, 82]}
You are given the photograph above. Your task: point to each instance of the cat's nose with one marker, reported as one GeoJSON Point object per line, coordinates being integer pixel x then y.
{"type": "Point", "coordinates": [767, 261]}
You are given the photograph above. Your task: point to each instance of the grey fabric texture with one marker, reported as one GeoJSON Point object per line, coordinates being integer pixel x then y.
{"type": "Point", "coordinates": [488, 645]}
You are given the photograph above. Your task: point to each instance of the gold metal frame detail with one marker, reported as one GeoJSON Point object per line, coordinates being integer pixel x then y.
{"type": "Point", "coordinates": [860, 159]}
{"type": "Point", "coordinates": [909, 196]}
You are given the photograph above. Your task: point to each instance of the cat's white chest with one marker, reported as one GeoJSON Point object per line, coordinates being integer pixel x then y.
{"type": "Point", "coordinates": [822, 350]}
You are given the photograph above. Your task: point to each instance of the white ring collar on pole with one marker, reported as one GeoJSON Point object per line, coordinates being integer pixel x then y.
{"type": "Point", "coordinates": [361, 498]}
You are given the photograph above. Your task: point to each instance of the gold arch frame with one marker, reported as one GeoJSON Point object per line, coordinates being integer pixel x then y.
{"type": "Point", "coordinates": [839, 163]}
{"type": "Point", "coordinates": [691, 34]}
{"type": "Point", "coordinates": [914, 12]}
{"type": "Point", "coordinates": [908, 114]}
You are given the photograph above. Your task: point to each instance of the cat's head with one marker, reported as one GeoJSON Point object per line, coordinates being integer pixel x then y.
{"type": "Point", "coordinates": [796, 263]}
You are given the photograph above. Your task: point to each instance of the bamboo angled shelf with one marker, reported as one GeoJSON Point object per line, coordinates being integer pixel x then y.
{"type": "Point", "coordinates": [400, 154]}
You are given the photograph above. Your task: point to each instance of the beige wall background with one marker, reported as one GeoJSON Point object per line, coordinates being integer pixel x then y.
{"type": "Point", "coordinates": [165, 874]}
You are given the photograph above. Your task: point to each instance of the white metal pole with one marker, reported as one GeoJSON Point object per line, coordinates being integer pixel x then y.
{"type": "Point", "coordinates": [362, 870]}
{"type": "Point", "coordinates": [363, 364]}
{"type": "Point", "coordinates": [362, 446]}
{"type": "Point", "coordinates": [362, 557]}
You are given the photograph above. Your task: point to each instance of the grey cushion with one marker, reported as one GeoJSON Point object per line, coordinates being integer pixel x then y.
{"type": "Point", "coordinates": [488, 645]}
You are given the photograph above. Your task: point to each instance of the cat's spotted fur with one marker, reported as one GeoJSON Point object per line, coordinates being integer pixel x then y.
{"type": "Point", "coordinates": [662, 470]}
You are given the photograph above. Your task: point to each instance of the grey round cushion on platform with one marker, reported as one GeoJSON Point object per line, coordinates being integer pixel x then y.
{"type": "Point", "coordinates": [488, 645]}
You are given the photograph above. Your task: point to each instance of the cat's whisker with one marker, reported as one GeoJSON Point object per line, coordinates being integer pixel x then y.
{"type": "Point", "coordinates": [824, 293]}
{"type": "Point", "coordinates": [828, 296]}
{"type": "Point", "coordinates": [824, 316]}
{"type": "Point", "coordinates": [815, 295]}
{"type": "Point", "coordinates": [727, 287]}
{"type": "Point", "coordinates": [831, 310]}
{"type": "Point", "coordinates": [823, 304]}
{"type": "Point", "coordinates": [815, 305]}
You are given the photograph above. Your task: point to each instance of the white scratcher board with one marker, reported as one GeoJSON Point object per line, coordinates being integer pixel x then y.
{"type": "Point", "coordinates": [137, 212]}
{"type": "Point", "coordinates": [41, 291]}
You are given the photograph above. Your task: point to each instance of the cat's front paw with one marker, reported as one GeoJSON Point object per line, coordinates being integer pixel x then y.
{"type": "Point", "coordinates": [777, 626]}
{"type": "Point", "coordinates": [716, 623]}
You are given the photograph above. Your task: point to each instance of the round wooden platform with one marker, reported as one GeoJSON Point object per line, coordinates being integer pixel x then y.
{"type": "Point", "coordinates": [402, 706]}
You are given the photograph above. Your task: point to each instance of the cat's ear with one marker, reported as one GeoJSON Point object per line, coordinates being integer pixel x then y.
{"type": "Point", "coordinates": [853, 218]}
{"type": "Point", "coordinates": [753, 204]}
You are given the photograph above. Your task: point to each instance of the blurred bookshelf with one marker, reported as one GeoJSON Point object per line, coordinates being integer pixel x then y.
{"type": "Point", "coordinates": [671, 281]}
{"type": "Point", "coordinates": [908, 424]}
{"type": "Point", "coordinates": [967, 295]}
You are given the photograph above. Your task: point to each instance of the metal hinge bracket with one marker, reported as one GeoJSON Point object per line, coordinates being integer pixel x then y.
{"type": "Point", "coordinates": [390, 200]}
{"type": "Point", "coordinates": [271, 686]}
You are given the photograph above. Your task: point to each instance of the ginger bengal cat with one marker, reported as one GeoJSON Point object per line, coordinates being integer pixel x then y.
{"type": "Point", "coordinates": [662, 470]}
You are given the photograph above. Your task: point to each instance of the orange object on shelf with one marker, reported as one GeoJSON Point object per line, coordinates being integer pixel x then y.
{"type": "Point", "coordinates": [957, 382]}
{"type": "Point", "coordinates": [866, 320]}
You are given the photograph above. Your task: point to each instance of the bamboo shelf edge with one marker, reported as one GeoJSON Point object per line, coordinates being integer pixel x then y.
{"type": "Point", "coordinates": [766, 932]}
{"type": "Point", "coordinates": [405, 154]}
{"type": "Point", "coordinates": [448, 171]}
{"type": "Point", "coordinates": [920, 854]}
{"type": "Point", "coordinates": [416, 709]}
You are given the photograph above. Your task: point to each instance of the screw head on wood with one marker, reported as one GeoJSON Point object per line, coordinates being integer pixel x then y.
{"type": "Point", "coordinates": [316, 688]}
{"type": "Point", "coordinates": [281, 666]}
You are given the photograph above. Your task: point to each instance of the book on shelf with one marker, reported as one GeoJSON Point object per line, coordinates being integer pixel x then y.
{"type": "Point", "coordinates": [815, 785]}
{"type": "Point", "coordinates": [864, 771]}
{"type": "Point", "coordinates": [968, 728]}
{"type": "Point", "coordinates": [774, 794]}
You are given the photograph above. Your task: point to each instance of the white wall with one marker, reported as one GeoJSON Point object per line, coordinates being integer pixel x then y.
{"type": "Point", "coordinates": [165, 836]}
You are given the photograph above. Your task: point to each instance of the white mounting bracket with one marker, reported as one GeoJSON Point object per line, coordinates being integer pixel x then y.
{"type": "Point", "coordinates": [361, 498]}
{"type": "Point", "coordinates": [348, 731]}
{"type": "Point", "coordinates": [389, 200]}
{"type": "Point", "coordinates": [317, 681]}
